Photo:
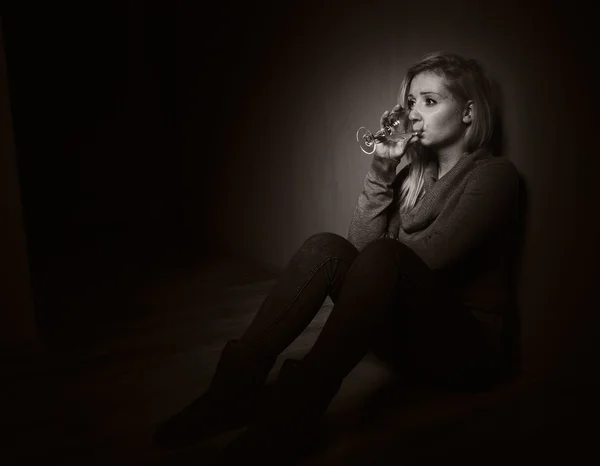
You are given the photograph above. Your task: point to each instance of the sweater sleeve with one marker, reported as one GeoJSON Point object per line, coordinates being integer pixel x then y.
{"type": "Point", "coordinates": [371, 214]}
{"type": "Point", "coordinates": [490, 195]}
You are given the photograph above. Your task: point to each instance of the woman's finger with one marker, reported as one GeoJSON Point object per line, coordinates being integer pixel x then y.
{"type": "Point", "coordinates": [383, 120]}
{"type": "Point", "coordinates": [412, 140]}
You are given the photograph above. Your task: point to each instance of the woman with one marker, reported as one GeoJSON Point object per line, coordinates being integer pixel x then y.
{"type": "Point", "coordinates": [422, 280]}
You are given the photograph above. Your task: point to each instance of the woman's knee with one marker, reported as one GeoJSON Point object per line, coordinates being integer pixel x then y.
{"type": "Point", "coordinates": [330, 245]}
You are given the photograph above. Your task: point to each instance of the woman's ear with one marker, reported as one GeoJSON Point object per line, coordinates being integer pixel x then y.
{"type": "Point", "coordinates": [468, 112]}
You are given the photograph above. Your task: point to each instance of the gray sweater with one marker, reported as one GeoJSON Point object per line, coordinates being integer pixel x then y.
{"type": "Point", "coordinates": [463, 227]}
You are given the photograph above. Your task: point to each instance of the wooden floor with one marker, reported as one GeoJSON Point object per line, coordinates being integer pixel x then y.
{"type": "Point", "coordinates": [99, 405]}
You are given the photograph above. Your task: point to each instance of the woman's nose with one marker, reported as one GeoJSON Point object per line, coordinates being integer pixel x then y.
{"type": "Point", "coordinates": [413, 115]}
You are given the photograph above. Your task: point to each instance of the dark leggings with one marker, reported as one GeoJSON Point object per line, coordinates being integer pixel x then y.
{"type": "Point", "coordinates": [386, 300]}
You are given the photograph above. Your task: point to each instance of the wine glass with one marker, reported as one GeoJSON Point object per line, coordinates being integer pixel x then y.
{"type": "Point", "coordinates": [366, 139]}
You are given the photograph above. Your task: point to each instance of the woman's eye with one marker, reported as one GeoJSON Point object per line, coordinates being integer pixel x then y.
{"type": "Point", "coordinates": [411, 103]}
{"type": "Point", "coordinates": [430, 102]}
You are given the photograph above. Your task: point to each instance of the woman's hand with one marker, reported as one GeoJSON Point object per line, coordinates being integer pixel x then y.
{"type": "Point", "coordinates": [394, 147]}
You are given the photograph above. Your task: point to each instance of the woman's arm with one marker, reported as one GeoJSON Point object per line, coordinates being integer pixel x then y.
{"type": "Point", "coordinates": [489, 199]}
{"type": "Point", "coordinates": [371, 215]}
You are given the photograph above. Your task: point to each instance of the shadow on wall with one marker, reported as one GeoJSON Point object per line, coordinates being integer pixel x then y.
{"type": "Point", "coordinates": [512, 320]}
{"type": "Point", "coordinates": [499, 139]}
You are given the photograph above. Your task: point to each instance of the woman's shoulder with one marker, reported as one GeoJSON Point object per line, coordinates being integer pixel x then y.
{"type": "Point", "coordinates": [492, 165]}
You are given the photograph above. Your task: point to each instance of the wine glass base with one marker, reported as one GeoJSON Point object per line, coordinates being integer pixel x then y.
{"type": "Point", "coordinates": [366, 140]}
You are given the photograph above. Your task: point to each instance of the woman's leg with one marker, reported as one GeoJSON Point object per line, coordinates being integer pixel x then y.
{"type": "Point", "coordinates": [385, 287]}
{"type": "Point", "coordinates": [316, 270]}
{"type": "Point", "coordinates": [392, 299]}
{"type": "Point", "coordinates": [384, 282]}
{"type": "Point", "coordinates": [381, 278]}
{"type": "Point", "coordinates": [236, 389]}
{"type": "Point", "coordinates": [305, 388]}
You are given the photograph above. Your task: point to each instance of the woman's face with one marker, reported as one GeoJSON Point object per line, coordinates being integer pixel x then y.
{"type": "Point", "coordinates": [435, 112]}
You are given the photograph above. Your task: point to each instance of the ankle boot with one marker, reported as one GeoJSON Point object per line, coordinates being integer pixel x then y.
{"type": "Point", "coordinates": [230, 402]}
{"type": "Point", "coordinates": [300, 399]}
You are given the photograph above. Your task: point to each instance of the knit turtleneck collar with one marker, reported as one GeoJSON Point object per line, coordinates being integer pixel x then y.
{"type": "Point", "coordinates": [438, 191]}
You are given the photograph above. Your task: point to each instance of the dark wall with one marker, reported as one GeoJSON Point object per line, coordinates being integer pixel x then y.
{"type": "Point", "coordinates": [106, 118]}
{"type": "Point", "coordinates": [122, 115]}
{"type": "Point", "coordinates": [17, 322]}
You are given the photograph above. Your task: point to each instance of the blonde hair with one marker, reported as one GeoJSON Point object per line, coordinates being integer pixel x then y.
{"type": "Point", "coordinates": [466, 80]}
